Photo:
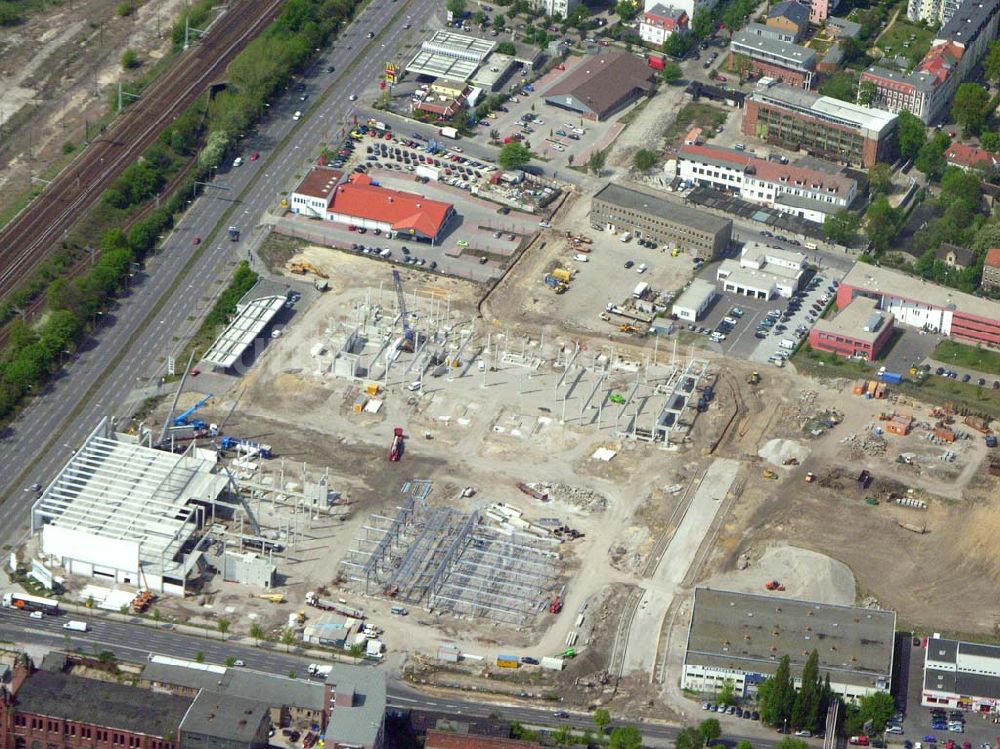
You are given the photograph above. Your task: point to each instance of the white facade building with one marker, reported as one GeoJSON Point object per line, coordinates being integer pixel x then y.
{"type": "Point", "coordinates": [695, 301]}
{"type": "Point", "coordinates": [808, 193]}
{"type": "Point", "coordinates": [688, 6]}
{"type": "Point", "coordinates": [741, 637]}
{"type": "Point", "coordinates": [961, 675]}
{"type": "Point", "coordinates": [662, 21]}
{"type": "Point", "coordinates": [762, 272]}
{"type": "Point", "coordinates": [122, 511]}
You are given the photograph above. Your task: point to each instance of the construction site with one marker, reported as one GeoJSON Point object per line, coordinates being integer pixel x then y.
{"type": "Point", "coordinates": [519, 509]}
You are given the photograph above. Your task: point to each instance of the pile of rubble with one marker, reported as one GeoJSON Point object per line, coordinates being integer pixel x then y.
{"type": "Point", "coordinates": [867, 444]}
{"type": "Point", "coordinates": [870, 602]}
{"type": "Point", "coordinates": [585, 499]}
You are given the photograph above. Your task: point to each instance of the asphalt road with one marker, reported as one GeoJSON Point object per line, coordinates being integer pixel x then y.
{"type": "Point", "coordinates": [136, 643]}
{"type": "Point", "coordinates": [181, 281]}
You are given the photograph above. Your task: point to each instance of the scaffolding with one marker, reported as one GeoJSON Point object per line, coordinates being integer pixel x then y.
{"type": "Point", "coordinates": [446, 560]}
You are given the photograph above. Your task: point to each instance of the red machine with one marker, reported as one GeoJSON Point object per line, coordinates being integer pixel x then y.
{"type": "Point", "coordinates": [556, 605]}
{"type": "Point", "coordinates": [396, 450]}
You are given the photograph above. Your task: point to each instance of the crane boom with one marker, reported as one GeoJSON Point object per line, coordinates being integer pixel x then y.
{"type": "Point", "coordinates": [182, 418]}
{"type": "Point", "coordinates": [397, 282]}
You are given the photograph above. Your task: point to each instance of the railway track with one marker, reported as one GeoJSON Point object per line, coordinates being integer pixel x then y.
{"type": "Point", "coordinates": [27, 239]}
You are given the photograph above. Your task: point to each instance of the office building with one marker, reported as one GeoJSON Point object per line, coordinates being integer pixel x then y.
{"type": "Point", "coordinates": [623, 209]}
{"type": "Point", "coordinates": [762, 272]}
{"type": "Point", "coordinates": [694, 302]}
{"type": "Point", "coordinates": [807, 193]}
{"type": "Point", "coordinates": [825, 127]}
{"type": "Point", "coordinates": [961, 676]}
{"type": "Point", "coordinates": [859, 331]}
{"type": "Point", "coordinates": [740, 638]}
{"type": "Point", "coordinates": [789, 63]}
{"type": "Point", "coordinates": [918, 303]}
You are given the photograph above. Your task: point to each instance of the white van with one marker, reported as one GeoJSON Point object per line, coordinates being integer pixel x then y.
{"type": "Point", "coordinates": [297, 115]}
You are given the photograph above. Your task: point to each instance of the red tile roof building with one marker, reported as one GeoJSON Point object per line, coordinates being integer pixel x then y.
{"type": "Point", "coordinates": [991, 269]}
{"type": "Point", "coordinates": [360, 202]}
{"type": "Point", "coordinates": [807, 193]}
{"type": "Point", "coordinates": [662, 21]}
{"type": "Point", "coordinates": [970, 157]}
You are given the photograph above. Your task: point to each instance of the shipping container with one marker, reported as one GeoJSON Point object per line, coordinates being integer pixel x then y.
{"type": "Point", "coordinates": [554, 664]}
{"type": "Point", "coordinates": [508, 661]}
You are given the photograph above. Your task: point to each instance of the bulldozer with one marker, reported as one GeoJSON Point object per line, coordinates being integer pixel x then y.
{"type": "Point", "coordinates": [300, 269]}
{"type": "Point", "coordinates": [769, 474]}
{"type": "Point", "coordinates": [754, 378]}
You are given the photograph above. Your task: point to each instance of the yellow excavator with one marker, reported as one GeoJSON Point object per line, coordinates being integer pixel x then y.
{"type": "Point", "coordinates": [272, 597]}
{"type": "Point", "coordinates": [300, 269]}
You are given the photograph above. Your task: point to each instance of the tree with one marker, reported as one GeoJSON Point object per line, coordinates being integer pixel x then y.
{"type": "Point", "coordinates": [499, 21]}
{"type": "Point", "coordinates": [727, 695]}
{"type": "Point", "coordinates": [710, 730]}
{"type": "Point", "coordinates": [805, 712]}
{"type": "Point", "coordinates": [230, 661]}
{"type": "Point", "coordinates": [880, 178]}
{"type": "Point", "coordinates": [507, 48]}
{"type": "Point", "coordinates": [701, 24]}
{"type": "Point", "coordinates": [602, 718]}
{"type": "Point", "coordinates": [596, 161]}
{"type": "Point", "coordinates": [256, 632]}
{"type": "Point", "coordinates": [157, 616]}
{"type": "Point", "coordinates": [960, 186]}
{"type": "Point", "coordinates": [878, 708]}
{"type": "Point", "coordinates": [123, 610]}
{"type": "Point", "coordinates": [931, 160]}
{"type": "Point", "coordinates": [480, 17]}
{"type": "Point", "coordinates": [644, 159]}
{"type": "Point", "coordinates": [130, 59]}
{"type": "Point", "coordinates": [881, 224]}
{"type": "Point", "coordinates": [199, 657]}
{"type": "Point", "coordinates": [841, 227]}
{"type": "Point", "coordinates": [513, 156]}
{"type": "Point", "coordinates": [911, 133]}
{"type": "Point", "coordinates": [988, 236]}
{"type": "Point", "coordinates": [689, 738]}
{"type": "Point", "coordinates": [733, 18]}
{"type": "Point", "coordinates": [625, 737]}
{"type": "Point", "coordinates": [356, 651]}
{"type": "Point", "coordinates": [626, 10]}
{"type": "Point", "coordinates": [991, 63]}
{"type": "Point", "coordinates": [990, 142]}
{"type": "Point", "coordinates": [788, 743]}
{"type": "Point", "coordinates": [866, 92]}
{"type": "Point", "coordinates": [223, 625]}
{"type": "Point", "coordinates": [671, 72]}
{"type": "Point", "coordinates": [970, 107]}
{"type": "Point", "coordinates": [744, 744]}
{"type": "Point", "coordinates": [678, 45]}
{"type": "Point", "coordinates": [776, 695]}
{"type": "Point", "coordinates": [456, 7]}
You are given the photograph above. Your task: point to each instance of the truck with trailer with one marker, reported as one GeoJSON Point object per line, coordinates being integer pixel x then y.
{"type": "Point", "coordinates": [339, 606]}
{"type": "Point", "coordinates": [76, 625]}
{"type": "Point", "coordinates": [27, 602]}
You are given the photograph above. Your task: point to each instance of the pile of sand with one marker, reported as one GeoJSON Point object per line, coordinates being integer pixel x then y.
{"type": "Point", "coordinates": [777, 451]}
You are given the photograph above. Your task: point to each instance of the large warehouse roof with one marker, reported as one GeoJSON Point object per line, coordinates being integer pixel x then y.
{"type": "Point", "coordinates": [118, 497]}
{"type": "Point", "coordinates": [450, 55]}
{"type": "Point", "coordinates": [250, 322]}
{"type": "Point", "coordinates": [751, 633]}
{"type": "Point", "coordinates": [601, 80]}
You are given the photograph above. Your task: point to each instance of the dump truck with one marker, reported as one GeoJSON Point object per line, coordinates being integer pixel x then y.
{"type": "Point", "coordinates": [561, 274]}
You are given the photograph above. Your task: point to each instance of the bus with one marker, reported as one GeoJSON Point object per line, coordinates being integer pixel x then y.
{"type": "Point", "coordinates": [31, 603]}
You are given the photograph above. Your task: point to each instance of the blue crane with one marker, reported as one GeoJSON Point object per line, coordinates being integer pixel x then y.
{"type": "Point", "coordinates": [182, 418]}
{"type": "Point", "coordinates": [397, 282]}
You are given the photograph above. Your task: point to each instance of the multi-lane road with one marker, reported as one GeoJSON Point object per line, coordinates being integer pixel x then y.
{"type": "Point", "coordinates": [135, 643]}
{"type": "Point", "coordinates": [129, 350]}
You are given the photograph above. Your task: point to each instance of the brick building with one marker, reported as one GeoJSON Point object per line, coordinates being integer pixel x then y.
{"type": "Point", "coordinates": [44, 709]}
{"type": "Point", "coordinates": [825, 127]}
{"type": "Point", "coordinates": [860, 330]}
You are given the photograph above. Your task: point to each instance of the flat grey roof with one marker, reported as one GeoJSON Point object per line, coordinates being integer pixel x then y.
{"type": "Point", "coordinates": [750, 633]}
{"type": "Point", "coordinates": [441, 66]}
{"type": "Point", "coordinates": [826, 108]}
{"type": "Point", "coordinates": [245, 683]}
{"type": "Point", "coordinates": [800, 201]}
{"type": "Point", "coordinates": [944, 651]}
{"type": "Point", "coordinates": [450, 55]}
{"type": "Point", "coordinates": [854, 318]}
{"type": "Point", "coordinates": [360, 723]}
{"type": "Point", "coordinates": [486, 76]}
{"type": "Point", "coordinates": [958, 682]}
{"type": "Point", "coordinates": [696, 294]}
{"type": "Point", "coordinates": [895, 283]}
{"type": "Point", "coordinates": [920, 81]}
{"type": "Point", "coordinates": [224, 716]}
{"type": "Point", "coordinates": [78, 699]}
{"type": "Point", "coordinates": [968, 21]}
{"type": "Point", "coordinates": [796, 54]}
{"type": "Point", "coordinates": [626, 197]}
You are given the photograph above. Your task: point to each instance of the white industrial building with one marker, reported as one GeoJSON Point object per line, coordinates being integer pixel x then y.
{"type": "Point", "coordinates": [762, 272]}
{"type": "Point", "coordinates": [123, 512]}
{"type": "Point", "coordinates": [961, 675]}
{"type": "Point", "coordinates": [695, 301]}
{"type": "Point", "coordinates": [739, 638]}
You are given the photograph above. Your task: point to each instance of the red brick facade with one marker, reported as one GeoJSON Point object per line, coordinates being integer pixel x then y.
{"type": "Point", "coordinates": [845, 345]}
{"type": "Point", "coordinates": [785, 75]}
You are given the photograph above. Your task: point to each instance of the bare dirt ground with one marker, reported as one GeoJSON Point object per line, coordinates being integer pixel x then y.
{"type": "Point", "coordinates": [55, 74]}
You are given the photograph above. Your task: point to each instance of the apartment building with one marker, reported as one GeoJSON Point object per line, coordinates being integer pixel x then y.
{"type": "Point", "coordinates": [790, 63]}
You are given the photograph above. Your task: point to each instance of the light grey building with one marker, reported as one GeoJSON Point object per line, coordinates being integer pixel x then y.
{"type": "Point", "coordinates": [741, 637]}
{"type": "Point", "coordinates": [623, 209]}
{"type": "Point", "coordinates": [222, 721]}
{"type": "Point", "coordinates": [961, 675]}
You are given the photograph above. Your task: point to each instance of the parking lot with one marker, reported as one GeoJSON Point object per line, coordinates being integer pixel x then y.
{"type": "Point", "coordinates": [756, 334]}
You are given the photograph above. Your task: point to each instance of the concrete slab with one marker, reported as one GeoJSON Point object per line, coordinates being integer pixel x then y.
{"type": "Point", "coordinates": [640, 653]}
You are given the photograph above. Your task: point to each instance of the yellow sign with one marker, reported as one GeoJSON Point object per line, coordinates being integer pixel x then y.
{"type": "Point", "coordinates": [391, 72]}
